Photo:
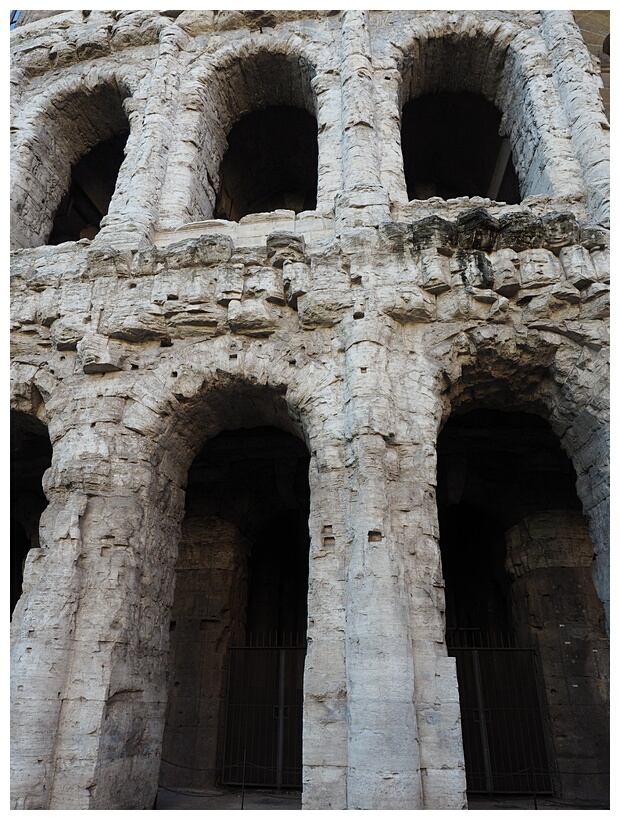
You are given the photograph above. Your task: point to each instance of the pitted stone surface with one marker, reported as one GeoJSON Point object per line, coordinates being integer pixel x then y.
{"type": "Point", "coordinates": [358, 327]}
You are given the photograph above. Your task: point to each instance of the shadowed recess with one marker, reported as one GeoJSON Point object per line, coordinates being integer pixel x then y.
{"type": "Point", "coordinates": [271, 163]}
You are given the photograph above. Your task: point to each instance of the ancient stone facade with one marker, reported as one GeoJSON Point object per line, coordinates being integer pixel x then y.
{"type": "Point", "coordinates": [295, 382]}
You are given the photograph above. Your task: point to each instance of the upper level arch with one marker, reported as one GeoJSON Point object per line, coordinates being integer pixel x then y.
{"type": "Point", "coordinates": [66, 160]}
{"type": "Point", "coordinates": [489, 82]}
{"type": "Point", "coordinates": [251, 124]}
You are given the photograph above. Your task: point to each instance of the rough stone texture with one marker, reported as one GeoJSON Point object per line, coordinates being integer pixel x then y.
{"type": "Point", "coordinates": [358, 328]}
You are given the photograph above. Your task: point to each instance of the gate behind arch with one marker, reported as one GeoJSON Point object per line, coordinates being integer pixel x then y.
{"type": "Point", "coordinates": [503, 725]}
{"type": "Point", "coordinates": [264, 713]}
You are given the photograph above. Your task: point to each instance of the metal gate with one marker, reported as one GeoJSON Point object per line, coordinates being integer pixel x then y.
{"type": "Point", "coordinates": [503, 733]}
{"type": "Point", "coordinates": [264, 717]}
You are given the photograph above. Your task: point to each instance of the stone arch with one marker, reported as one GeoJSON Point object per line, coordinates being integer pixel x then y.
{"type": "Point", "coordinates": [546, 526]}
{"type": "Point", "coordinates": [497, 62]}
{"type": "Point", "coordinates": [536, 373]}
{"type": "Point", "coordinates": [67, 124]}
{"type": "Point", "coordinates": [239, 79]}
{"type": "Point", "coordinates": [240, 603]}
{"type": "Point", "coordinates": [521, 605]}
{"type": "Point", "coordinates": [229, 424]}
{"type": "Point", "coordinates": [174, 414]}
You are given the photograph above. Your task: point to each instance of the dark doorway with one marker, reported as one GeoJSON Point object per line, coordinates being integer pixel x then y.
{"type": "Point", "coordinates": [265, 691]}
{"type": "Point", "coordinates": [93, 180]}
{"type": "Point", "coordinates": [264, 717]}
{"type": "Point", "coordinates": [271, 163]}
{"type": "Point", "coordinates": [239, 619]}
{"type": "Point", "coordinates": [452, 147]}
{"type": "Point", "coordinates": [31, 455]}
{"type": "Point", "coordinates": [522, 616]}
{"type": "Point", "coordinates": [503, 724]}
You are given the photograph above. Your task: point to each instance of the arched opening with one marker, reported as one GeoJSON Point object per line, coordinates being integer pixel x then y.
{"type": "Point", "coordinates": [466, 101]}
{"type": "Point", "coordinates": [249, 136]}
{"type": "Point", "coordinates": [65, 173]}
{"type": "Point", "coordinates": [31, 455]}
{"type": "Point", "coordinates": [238, 627]}
{"type": "Point", "coordinates": [93, 180]}
{"type": "Point", "coordinates": [522, 615]}
{"type": "Point", "coordinates": [452, 147]}
{"type": "Point", "coordinates": [271, 163]}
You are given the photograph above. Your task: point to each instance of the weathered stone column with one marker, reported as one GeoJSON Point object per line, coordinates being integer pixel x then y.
{"type": "Point", "coordinates": [364, 201]}
{"type": "Point", "coordinates": [40, 666]}
{"type": "Point", "coordinates": [383, 759]}
{"type": "Point", "coordinates": [135, 204]}
{"type": "Point", "coordinates": [88, 706]}
{"type": "Point", "coordinates": [557, 611]}
{"type": "Point", "coordinates": [412, 469]}
{"type": "Point", "coordinates": [579, 87]}
{"type": "Point", "coordinates": [325, 728]}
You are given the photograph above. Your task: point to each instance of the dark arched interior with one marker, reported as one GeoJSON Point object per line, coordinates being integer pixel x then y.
{"type": "Point", "coordinates": [452, 148]}
{"type": "Point", "coordinates": [86, 202]}
{"type": "Point", "coordinates": [278, 580]}
{"type": "Point", "coordinates": [477, 586]}
{"type": "Point", "coordinates": [271, 163]}
{"type": "Point", "coordinates": [523, 619]}
{"type": "Point", "coordinates": [508, 464]}
{"type": "Point", "coordinates": [31, 455]}
{"type": "Point", "coordinates": [238, 627]}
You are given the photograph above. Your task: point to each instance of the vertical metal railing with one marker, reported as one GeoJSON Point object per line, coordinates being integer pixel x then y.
{"type": "Point", "coordinates": [264, 712]}
{"type": "Point", "coordinates": [503, 730]}
{"type": "Point", "coordinates": [482, 723]}
{"type": "Point", "coordinates": [281, 716]}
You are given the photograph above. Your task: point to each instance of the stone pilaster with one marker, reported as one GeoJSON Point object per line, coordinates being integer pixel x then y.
{"type": "Point", "coordinates": [383, 757]}
{"type": "Point", "coordinates": [136, 203]}
{"type": "Point", "coordinates": [413, 478]}
{"type": "Point", "coordinates": [101, 584]}
{"type": "Point", "coordinates": [579, 87]}
{"type": "Point", "coordinates": [40, 665]}
{"type": "Point", "coordinates": [363, 200]}
{"type": "Point", "coordinates": [325, 697]}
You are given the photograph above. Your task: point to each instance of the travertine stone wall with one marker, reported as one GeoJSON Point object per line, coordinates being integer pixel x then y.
{"type": "Point", "coordinates": [358, 327]}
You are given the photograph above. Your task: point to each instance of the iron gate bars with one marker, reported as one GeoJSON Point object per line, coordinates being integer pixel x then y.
{"type": "Point", "coordinates": [264, 717]}
{"type": "Point", "coordinates": [503, 733]}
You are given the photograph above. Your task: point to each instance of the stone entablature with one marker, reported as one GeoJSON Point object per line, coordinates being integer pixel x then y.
{"type": "Point", "coordinates": [516, 270]}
